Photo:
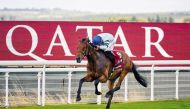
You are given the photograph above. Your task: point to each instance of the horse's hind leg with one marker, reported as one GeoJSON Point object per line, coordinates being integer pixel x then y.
{"type": "Point", "coordinates": [96, 82]}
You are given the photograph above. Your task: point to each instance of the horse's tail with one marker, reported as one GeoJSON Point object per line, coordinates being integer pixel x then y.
{"type": "Point", "coordinates": [138, 77]}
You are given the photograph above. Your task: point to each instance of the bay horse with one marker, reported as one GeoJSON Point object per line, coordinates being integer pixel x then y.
{"type": "Point", "coordinates": [99, 69]}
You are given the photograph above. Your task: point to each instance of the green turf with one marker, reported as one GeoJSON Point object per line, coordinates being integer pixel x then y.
{"type": "Point", "coordinates": [169, 104]}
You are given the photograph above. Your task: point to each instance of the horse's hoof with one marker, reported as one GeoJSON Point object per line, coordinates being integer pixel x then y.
{"type": "Point", "coordinates": [108, 94]}
{"type": "Point", "coordinates": [107, 107]}
{"type": "Point", "coordinates": [78, 98]}
{"type": "Point", "coordinates": [98, 93]}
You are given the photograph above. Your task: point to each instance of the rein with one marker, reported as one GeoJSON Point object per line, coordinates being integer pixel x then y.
{"type": "Point", "coordinates": [88, 51]}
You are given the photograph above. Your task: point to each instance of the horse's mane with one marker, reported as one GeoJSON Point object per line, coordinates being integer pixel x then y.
{"type": "Point", "coordinates": [86, 40]}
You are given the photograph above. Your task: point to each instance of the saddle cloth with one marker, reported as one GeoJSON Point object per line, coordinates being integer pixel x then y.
{"type": "Point", "coordinates": [118, 60]}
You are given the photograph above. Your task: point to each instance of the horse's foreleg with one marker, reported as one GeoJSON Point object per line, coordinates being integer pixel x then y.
{"type": "Point", "coordinates": [87, 78]}
{"type": "Point", "coordinates": [117, 87]}
{"type": "Point", "coordinates": [109, 101]}
{"type": "Point", "coordinates": [79, 89]}
{"type": "Point", "coordinates": [110, 86]}
{"type": "Point", "coordinates": [110, 95]}
{"type": "Point", "coordinates": [112, 79]}
{"type": "Point", "coordinates": [96, 82]}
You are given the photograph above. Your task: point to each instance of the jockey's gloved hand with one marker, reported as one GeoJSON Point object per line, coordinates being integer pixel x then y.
{"type": "Point", "coordinates": [97, 47]}
{"type": "Point", "coordinates": [91, 44]}
{"type": "Point", "coordinates": [94, 46]}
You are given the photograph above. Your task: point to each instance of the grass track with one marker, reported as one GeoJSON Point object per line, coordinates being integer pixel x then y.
{"type": "Point", "coordinates": [168, 104]}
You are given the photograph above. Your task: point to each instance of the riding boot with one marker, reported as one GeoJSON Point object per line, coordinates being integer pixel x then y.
{"type": "Point", "coordinates": [111, 56]}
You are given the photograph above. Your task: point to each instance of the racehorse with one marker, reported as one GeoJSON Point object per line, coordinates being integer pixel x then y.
{"type": "Point", "coordinates": [99, 69]}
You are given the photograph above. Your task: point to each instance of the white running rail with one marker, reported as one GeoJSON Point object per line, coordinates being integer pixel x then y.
{"type": "Point", "coordinates": [42, 71]}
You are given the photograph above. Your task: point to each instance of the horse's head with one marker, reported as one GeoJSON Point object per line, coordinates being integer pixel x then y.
{"type": "Point", "coordinates": [82, 49]}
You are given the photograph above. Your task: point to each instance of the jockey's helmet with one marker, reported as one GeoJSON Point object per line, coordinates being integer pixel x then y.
{"type": "Point", "coordinates": [97, 40]}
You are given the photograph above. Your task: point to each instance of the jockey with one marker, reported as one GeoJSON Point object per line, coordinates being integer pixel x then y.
{"type": "Point", "coordinates": [105, 42]}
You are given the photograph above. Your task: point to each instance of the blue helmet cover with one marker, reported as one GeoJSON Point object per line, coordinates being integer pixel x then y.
{"type": "Point", "coordinates": [97, 40]}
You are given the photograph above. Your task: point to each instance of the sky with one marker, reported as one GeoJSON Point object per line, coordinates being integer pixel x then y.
{"type": "Point", "coordinates": [103, 6]}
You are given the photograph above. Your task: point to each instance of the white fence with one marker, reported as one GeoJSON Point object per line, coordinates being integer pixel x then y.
{"type": "Point", "coordinates": [177, 76]}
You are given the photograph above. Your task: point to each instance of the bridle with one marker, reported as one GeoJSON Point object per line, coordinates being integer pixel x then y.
{"type": "Point", "coordinates": [86, 52]}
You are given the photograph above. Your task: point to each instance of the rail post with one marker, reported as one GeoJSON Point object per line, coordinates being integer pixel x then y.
{"type": "Point", "coordinates": [99, 96]}
{"type": "Point", "coordinates": [69, 87]}
{"type": "Point", "coordinates": [39, 88]}
{"type": "Point", "coordinates": [152, 83]}
{"type": "Point", "coordinates": [126, 88]}
{"type": "Point", "coordinates": [6, 89]}
{"type": "Point", "coordinates": [177, 85]}
{"type": "Point", "coordinates": [43, 85]}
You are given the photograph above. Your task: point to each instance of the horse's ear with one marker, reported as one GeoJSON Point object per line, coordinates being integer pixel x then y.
{"type": "Point", "coordinates": [88, 40]}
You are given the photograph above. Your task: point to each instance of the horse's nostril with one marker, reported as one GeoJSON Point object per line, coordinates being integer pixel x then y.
{"type": "Point", "coordinates": [78, 59]}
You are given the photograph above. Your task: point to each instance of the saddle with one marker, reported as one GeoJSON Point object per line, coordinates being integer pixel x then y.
{"type": "Point", "coordinates": [118, 60]}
